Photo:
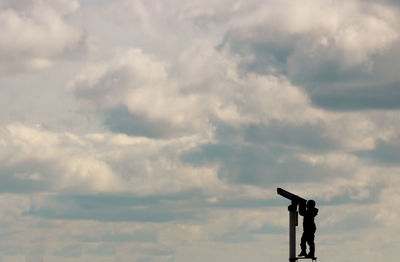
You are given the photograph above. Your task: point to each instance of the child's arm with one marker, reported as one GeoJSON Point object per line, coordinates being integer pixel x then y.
{"type": "Point", "coordinates": [315, 212]}
{"type": "Point", "coordinates": [302, 208]}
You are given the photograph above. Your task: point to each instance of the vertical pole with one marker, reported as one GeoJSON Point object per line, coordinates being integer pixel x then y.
{"type": "Point", "coordinates": [292, 231]}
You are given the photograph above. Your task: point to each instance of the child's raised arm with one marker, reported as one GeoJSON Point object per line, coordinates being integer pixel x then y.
{"type": "Point", "coordinates": [302, 208]}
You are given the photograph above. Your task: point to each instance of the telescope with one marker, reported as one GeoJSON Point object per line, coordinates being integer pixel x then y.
{"type": "Point", "coordinates": [293, 220]}
{"type": "Point", "coordinates": [294, 198]}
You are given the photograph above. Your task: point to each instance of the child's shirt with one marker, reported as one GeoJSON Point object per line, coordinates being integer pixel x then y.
{"type": "Point", "coordinates": [308, 217]}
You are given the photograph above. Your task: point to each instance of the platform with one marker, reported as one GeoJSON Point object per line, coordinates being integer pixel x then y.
{"type": "Point", "coordinates": [312, 258]}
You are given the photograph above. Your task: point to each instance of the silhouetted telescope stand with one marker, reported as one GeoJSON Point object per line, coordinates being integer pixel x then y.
{"type": "Point", "coordinates": [293, 222]}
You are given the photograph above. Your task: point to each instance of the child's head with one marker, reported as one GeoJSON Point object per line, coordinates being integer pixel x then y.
{"type": "Point", "coordinates": [310, 204]}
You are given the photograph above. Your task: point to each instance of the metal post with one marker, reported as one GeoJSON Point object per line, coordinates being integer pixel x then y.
{"type": "Point", "coordinates": [293, 219]}
{"type": "Point", "coordinates": [292, 231]}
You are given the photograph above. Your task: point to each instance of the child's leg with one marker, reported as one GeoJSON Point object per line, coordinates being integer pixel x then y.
{"type": "Point", "coordinates": [311, 243]}
{"type": "Point", "coordinates": [303, 244]}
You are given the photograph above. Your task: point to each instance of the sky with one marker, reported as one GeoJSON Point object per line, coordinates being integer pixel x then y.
{"type": "Point", "coordinates": [158, 131]}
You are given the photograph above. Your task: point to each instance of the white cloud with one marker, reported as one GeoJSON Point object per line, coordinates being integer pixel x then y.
{"type": "Point", "coordinates": [34, 32]}
{"type": "Point", "coordinates": [298, 38]}
{"type": "Point", "coordinates": [204, 89]}
{"type": "Point", "coordinates": [56, 162]}
{"type": "Point", "coordinates": [207, 90]}
{"type": "Point", "coordinates": [40, 160]}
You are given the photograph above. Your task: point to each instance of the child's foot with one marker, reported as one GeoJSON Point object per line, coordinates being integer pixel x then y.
{"type": "Point", "coordinates": [302, 253]}
{"type": "Point", "coordinates": [310, 256]}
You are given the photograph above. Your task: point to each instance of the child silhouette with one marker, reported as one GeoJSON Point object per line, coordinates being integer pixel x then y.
{"type": "Point", "coordinates": [308, 211]}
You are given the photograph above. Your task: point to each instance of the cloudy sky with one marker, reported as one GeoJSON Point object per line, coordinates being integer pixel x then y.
{"type": "Point", "coordinates": [158, 131]}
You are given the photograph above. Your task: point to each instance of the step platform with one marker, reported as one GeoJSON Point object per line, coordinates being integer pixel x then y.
{"type": "Point", "coordinates": [312, 258]}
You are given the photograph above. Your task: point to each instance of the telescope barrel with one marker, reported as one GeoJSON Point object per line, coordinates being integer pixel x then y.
{"type": "Point", "coordinates": [289, 195]}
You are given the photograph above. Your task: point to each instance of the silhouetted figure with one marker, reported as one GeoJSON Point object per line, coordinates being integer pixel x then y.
{"type": "Point", "coordinates": [308, 211]}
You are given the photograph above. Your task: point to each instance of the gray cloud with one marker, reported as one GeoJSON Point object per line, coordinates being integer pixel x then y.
{"type": "Point", "coordinates": [354, 221]}
{"type": "Point", "coordinates": [113, 208]}
{"type": "Point", "coordinates": [318, 54]}
{"type": "Point", "coordinates": [235, 237]}
{"type": "Point", "coordinates": [26, 178]}
{"type": "Point", "coordinates": [145, 259]}
{"type": "Point", "coordinates": [120, 120]}
{"type": "Point", "coordinates": [381, 97]}
{"type": "Point", "coordinates": [269, 229]}
{"type": "Point", "coordinates": [385, 152]}
{"type": "Point", "coordinates": [268, 156]}
{"type": "Point", "coordinates": [307, 137]}
{"type": "Point", "coordinates": [103, 250]}
{"type": "Point", "coordinates": [350, 196]}
{"type": "Point", "coordinates": [271, 53]}
{"type": "Point", "coordinates": [258, 165]}
{"type": "Point", "coordinates": [11, 250]}
{"type": "Point", "coordinates": [159, 251]}
{"type": "Point", "coordinates": [139, 236]}
{"type": "Point", "coordinates": [70, 251]}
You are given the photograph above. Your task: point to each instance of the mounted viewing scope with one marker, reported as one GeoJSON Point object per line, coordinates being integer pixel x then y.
{"type": "Point", "coordinates": [293, 220]}
{"type": "Point", "coordinates": [294, 198]}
